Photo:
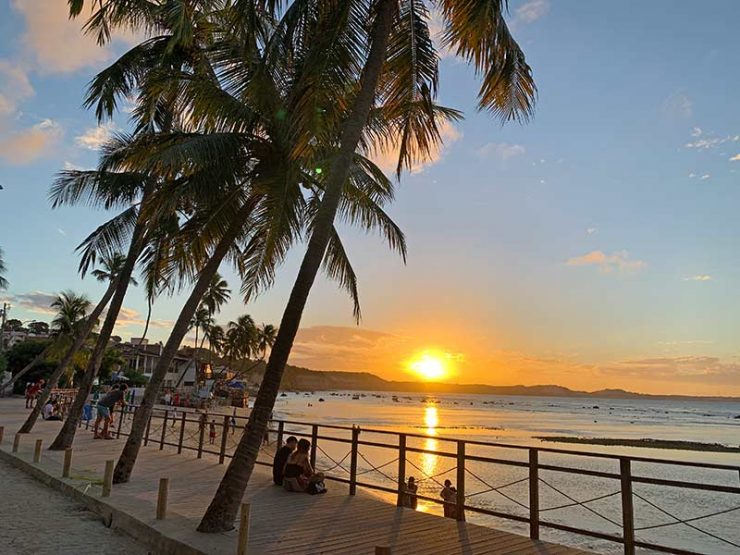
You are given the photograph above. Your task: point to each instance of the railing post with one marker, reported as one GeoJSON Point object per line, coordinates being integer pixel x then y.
{"type": "Point", "coordinates": [628, 514]}
{"type": "Point", "coordinates": [67, 462]}
{"type": "Point", "coordinates": [2, 433]}
{"type": "Point", "coordinates": [460, 499]}
{"type": "Point", "coordinates": [16, 442]}
{"type": "Point", "coordinates": [281, 431]}
{"type": "Point", "coordinates": [201, 434]}
{"type": "Point", "coordinates": [148, 426]}
{"type": "Point", "coordinates": [120, 421]}
{"type": "Point", "coordinates": [401, 469]}
{"type": "Point", "coordinates": [182, 433]}
{"type": "Point", "coordinates": [162, 498]}
{"type": "Point", "coordinates": [314, 440]}
{"type": "Point", "coordinates": [164, 430]}
{"type": "Point", "coordinates": [353, 460]}
{"type": "Point", "coordinates": [224, 437]}
{"type": "Point", "coordinates": [534, 495]}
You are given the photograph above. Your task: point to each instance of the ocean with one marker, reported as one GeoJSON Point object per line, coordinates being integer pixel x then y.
{"type": "Point", "coordinates": [519, 422]}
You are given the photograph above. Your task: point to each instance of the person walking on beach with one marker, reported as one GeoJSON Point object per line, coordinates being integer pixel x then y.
{"type": "Point", "coordinates": [212, 432]}
{"type": "Point", "coordinates": [281, 457]}
{"type": "Point", "coordinates": [409, 498]}
{"type": "Point", "coordinates": [105, 405]}
{"type": "Point", "coordinates": [29, 395]}
{"type": "Point", "coordinates": [449, 495]}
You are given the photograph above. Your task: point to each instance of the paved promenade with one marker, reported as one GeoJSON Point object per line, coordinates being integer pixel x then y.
{"type": "Point", "coordinates": [281, 523]}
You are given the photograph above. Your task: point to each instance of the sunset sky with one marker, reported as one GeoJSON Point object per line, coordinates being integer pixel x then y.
{"type": "Point", "coordinates": [596, 247]}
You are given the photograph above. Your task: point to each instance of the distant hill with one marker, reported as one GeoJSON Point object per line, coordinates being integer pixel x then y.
{"type": "Point", "coordinates": [303, 379]}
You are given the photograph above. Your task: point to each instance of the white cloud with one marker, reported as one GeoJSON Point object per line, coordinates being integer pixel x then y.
{"type": "Point", "coordinates": [14, 87]}
{"type": "Point", "coordinates": [735, 158]}
{"type": "Point", "coordinates": [699, 277]}
{"type": "Point", "coordinates": [387, 159]}
{"type": "Point", "coordinates": [696, 132]}
{"type": "Point", "coordinates": [678, 105]}
{"type": "Point", "coordinates": [36, 301]}
{"type": "Point", "coordinates": [532, 11]}
{"type": "Point", "coordinates": [20, 147]}
{"type": "Point", "coordinates": [608, 263]}
{"type": "Point", "coordinates": [705, 176]}
{"type": "Point", "coordinates": [708, 141]}
{"type": "Point", "coordinates": [502, 151]}
{"type": "Point", "coordinates": [591, 230]}
{"type": "Point", "coordinates": [95, 137]}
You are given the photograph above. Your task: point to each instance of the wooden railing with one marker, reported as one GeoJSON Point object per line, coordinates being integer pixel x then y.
{"type": "Point", "coordinates": [190, 429]}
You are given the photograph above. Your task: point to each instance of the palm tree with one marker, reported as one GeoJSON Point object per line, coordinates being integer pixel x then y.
{"type": "Point", "coordinates": [109, 270]}
{"type": "Point", "coordinates": [266, 335]}
{"type": "Point", "coordinates": [216, 338]}
{"type": "Point", "coordinates": [399, 67]}
{"type": "Point", "coordinates": [217, 294]}
{"type": "Point", "coordinates": [3, 269]}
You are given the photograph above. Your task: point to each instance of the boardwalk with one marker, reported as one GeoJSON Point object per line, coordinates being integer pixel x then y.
{"type": "Point", "coordinates": [281, 523]}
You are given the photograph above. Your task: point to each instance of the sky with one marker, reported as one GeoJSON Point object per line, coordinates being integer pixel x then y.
{"type": "Point", "coordinates": [594, 247]}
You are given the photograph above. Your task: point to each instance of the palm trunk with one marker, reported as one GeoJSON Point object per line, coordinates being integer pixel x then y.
{"type": "Point", "coordinates": [67, 434]}
{"type": "Point", "coordinates": [223, 509]}
{"type": "Point", "coordinates": [27, 368]}
{"type": "Point", "coordinates": [68, 357]}
{"type": "Point", "coordinates": [127, 460]}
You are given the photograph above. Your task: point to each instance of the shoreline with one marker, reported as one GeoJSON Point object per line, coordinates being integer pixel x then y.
{"type": "Point", "coordinates": [649, 443]}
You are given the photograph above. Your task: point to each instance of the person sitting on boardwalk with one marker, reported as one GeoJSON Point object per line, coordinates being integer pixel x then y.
{"type": "Point", "coordinates": [281, 458]}
{"type": "Point", "coordinates": [212, 432]}
{"type": "Point", "coordinates": [409, 498]}
{"type": "Point", "coordinates": [104, 409]}
{"type": "Point", "coordinates": [449, 495]}
{"type": "Point", "coordinates": [299, 474]}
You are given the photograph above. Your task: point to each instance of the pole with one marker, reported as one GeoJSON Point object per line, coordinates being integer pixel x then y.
{"type": "Point", "coordinates": [628, 514]}
{"type": "Point", "coordinates": [534, 495]}
{"type": "Point", "coordinates": [224, 437]}
{"type": "Point", "coordinates": [182, 432]}
{"type": "Point", "coordinates": [201, 434]}
{"type": "Point", "coordinates": [162, 498]}
{"type": "Point", "coordinates": [2, 328]}
{"type": "Point", "coordinates": [353, 461]}
{"type": "Point", "coordinates": [314, 441]}
{"type": "Point", "coordinates": [16, 442]}
{"type": "Point", "coordinates": [164, 430]}
{"type": "Point", "coordinates": [401, 469]}
{"type": "Point", "coordinates": [67, 462]}
{"type": "Point", "coordinates": [243, 530]}
{"type": "Point", "coordinates": [108, 478]}
{"type": "Point", "coordinates": [460, 499]}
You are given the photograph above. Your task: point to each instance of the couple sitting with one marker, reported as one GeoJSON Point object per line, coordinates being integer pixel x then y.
{"type": "Point", "coordinates": [292, 468]}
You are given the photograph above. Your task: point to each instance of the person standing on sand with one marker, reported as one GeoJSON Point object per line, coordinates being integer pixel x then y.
{"type": "Point", "coordinates": [281, 457]}
{"type": "Point", "coordinates": [449, 495]}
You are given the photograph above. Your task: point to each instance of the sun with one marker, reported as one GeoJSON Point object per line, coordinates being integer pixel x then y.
{"type": "Point", "coordinates": [429, 366]}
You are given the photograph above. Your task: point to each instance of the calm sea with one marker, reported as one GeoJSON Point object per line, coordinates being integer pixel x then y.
{"type": "Point", "coordinates": [517, 421]}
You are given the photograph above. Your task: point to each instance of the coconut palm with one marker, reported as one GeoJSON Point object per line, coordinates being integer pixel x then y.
{"type": "Point", "coordinates": [217, 294]}
{"type": "Point", "coordinates": [108, 271]}
{"type": "Point", "coordinates": [399, 68]}
{"type": "Point", "coordinates": [3, 269]}
{"type": "Point", "coordinates": [266, 335]}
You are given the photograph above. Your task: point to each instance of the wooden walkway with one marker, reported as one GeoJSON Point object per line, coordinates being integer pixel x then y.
{"type": "Point", "coordinates": [281, 523]}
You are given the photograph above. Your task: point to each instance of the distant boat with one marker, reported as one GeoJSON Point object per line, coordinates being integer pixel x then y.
{"type": "Point", "coordinates": [355, 397]}
{"type": "Point", "coordinates": [321, 399]}
{"type": "Point", "coordinates": [395, 399]}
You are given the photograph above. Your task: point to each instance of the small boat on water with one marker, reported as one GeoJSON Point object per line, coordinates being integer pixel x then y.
{"type": "Point", "coordinates": [355, 397]}
{"type": "Point", "coordinates": [395, 399]}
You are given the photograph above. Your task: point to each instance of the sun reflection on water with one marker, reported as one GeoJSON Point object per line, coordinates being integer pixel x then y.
{"type": "Point", "coordinates": [428, 462]}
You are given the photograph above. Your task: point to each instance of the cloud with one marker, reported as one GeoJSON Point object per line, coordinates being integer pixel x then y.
{"type": "Point", "coordinates": [95, 137]}
{"type": "Point", "coordinates": [502, 151]}
{"type": "Point", "coordinates": [618, 260]}
{"type": "Point", "coordinates": [387, 158]}
{"type": "Point", "coordinates": [14, 87]}
{"type": "Point", "coordinates": [699, 369]}
{"type": "Point", "coordinates": [38, 302]}
{"type": "Point", "coordinates": [128, 317]}
{"type": "Point", "coordinates": [591, 230]}
{"type": "Point", "coordinates": [709, 141]}
{"type": "Point", "coordinates": [56, 43]}
{"type": "Point", "coordinates": [20, 147]}
{"type": "Point", "coordinates": [532, 11]}
{"type": "Point", "coordinates": [678, 105]}
{"type": "Point", "coordinates": [696, 132]}
{"type": "Point", "coordinates": [699, 277]}
{"type": "Point", "coordinates": [705, 176]}
{"type": "Point", "coordinates": [735, 158]}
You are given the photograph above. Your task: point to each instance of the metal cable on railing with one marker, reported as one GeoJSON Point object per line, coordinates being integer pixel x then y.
{"type": "Point", "coordinates": [377, 468]}
{"type": "Point", "coordinates": [600, 497]}
{"type": "Point", "coordinates": [497, 489]}
{"type": "Point", "coordinates": [337, 464]}
{"type": "Point", "coordinates": [597, 513]}
{"type": "Point", "coordinates": [433, 477]}
{"type": "Point", "coordinates": [686, 522]}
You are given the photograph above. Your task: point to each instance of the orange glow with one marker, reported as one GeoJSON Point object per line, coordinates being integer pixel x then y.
{"type": "Point", "coordinates": [429, 366]}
